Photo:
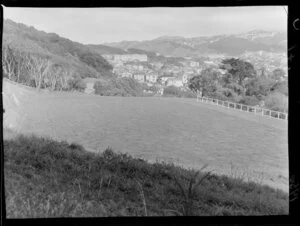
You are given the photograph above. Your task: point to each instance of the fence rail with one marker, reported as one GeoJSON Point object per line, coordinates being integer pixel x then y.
{"type": "Point", "coordinates": [245, 108]}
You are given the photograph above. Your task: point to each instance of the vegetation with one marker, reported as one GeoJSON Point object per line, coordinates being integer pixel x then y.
{"type": "Point", "coordinates": [46, 178]}
{"type": "Point", "coordinates": [240, 83]}
{"type": "Point", "coordinates": [173, 91]}
{"type": "Point", "coordinates": [119, 87]}
{"type": "Point", "coordinates": [46, 60]}
{"type": "Point", "coordinates": [39, 72]}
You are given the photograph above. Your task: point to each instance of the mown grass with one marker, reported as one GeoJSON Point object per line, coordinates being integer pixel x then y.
{"type": "Point", "coordinates": [46, 178]}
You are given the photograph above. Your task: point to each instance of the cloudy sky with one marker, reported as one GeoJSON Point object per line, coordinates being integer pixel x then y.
{"type": "Point", "coordinates": [102, 25]}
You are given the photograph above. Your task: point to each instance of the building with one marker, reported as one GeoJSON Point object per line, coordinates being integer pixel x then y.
{"type": "Point", "coordinates": [164, 79]}
{"type": "Point", "coordinates": [194, 64]}
{"type": "Point", "coordinates": [151, 77]}
{"type": "Point", "coordinates": [130, 57]}
{"type": "Point", "coordinates": [209, 63]}
{"type": "Point", "coordinates": [126, 75]}
{"type": "Point", "coordinates": [174, 82]}
{"type": "Point", "coordinates": [139, 77]}
{"type": "Point", "coordinates": [138, 67]}
{"type": "Point", "coordinates": [157, 65]}
{"type": "Point", "coordinates": [184, 78]}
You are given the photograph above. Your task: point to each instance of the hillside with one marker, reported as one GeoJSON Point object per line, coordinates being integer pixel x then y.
{"type": "Point", "coordinates": [47, 178]}
{"type": "Point", "coordinates": [102, 49]}
{"type": "Point", "coordinates": [221, 44]}
{"type": "Point", "coordinates": [70, 55]}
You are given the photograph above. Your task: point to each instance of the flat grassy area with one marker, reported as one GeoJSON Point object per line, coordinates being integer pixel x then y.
{"type": "Point", "coordinates": [46, 178]}
{"type": "Point", "coordinates": [182, 131]}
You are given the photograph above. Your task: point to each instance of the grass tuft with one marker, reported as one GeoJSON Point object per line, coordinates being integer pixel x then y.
{"type": "Point", "coordinates": [46, 178]}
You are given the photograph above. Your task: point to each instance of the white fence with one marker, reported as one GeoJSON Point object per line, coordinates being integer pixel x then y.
{"type": "Point", "coordinates": [245, 108]}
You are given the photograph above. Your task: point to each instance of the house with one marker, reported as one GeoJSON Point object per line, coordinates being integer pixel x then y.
{"type": "Point", "coordinates": [139, 77]}
{"type": "Point", "coordinates": [184, 78]}
{"type": "Point", "coordinates": [152, 77]}
{"type": "Point", "coordinates": [174, 82]}
{"type": "Point", "coordinates": [164, 79]}
{"type": "Point", "coordinates": [194, 64]}
{"type": "Point", "coordinates": [126, 74]}
{"type": "Point", "coordinates": [198, 70]}
{"type": "Point", "coordinates": [209, 63]}
{"type": "Point", "coordinates": [138, 67]}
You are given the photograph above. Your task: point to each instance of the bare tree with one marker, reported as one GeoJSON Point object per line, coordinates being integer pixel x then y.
{"type": "Point", "coordinates": [20, 71]}
{"type": "Point", "coordinates": [54, 74]}
{"type": "Point", "coordinates": [38, 68]}
{"type": "Point", "coordinates": [64, 77]}
{"type": "Point", "coordinates": [8, 62]}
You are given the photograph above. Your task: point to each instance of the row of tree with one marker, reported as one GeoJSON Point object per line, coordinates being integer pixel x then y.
{"type": "Point", "coordinates": [38, 71]}
{"type": "Point", "coordinates": [238, 81]}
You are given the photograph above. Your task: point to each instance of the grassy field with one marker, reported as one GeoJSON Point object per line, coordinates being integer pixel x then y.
{"type": "Point", "coordinates": [45, 178]}
{"type": "Point", "coordinates": [175, 130]}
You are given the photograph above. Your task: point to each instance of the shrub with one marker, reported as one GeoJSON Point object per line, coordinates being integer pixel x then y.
{"type": "Point", "coordinates": [117, 92]}
{"type": "Point", "coordinates": [277, 102]}
{"type": "Point", "coordinates": [119, 87]}
{"type": "Point", "coordinates": [172, 91]}
{"type": "Point", "coordinates": [188, 94]}
{"type": "Point", "coordinates": [249, 100]}
{"type": "Point", "coordinates": [76, 84]}
{"type": "Point", "coordinates": [80, 85]}
{"type": "Point", "coordinates": [236, 88]}
{"type": "Point", "coordinates": [281, 87]}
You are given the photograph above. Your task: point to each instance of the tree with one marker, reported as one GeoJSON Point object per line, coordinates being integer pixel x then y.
{"type": "Point", "coordinates": [237, 71]}
{"type": "Point", "coordinates": [52, 77]}
{"type": "Point", "coordinates": [20, 70]}
{"type": "Point", "coordinates": [14, 63]}
{"type": "Point", "coordinates": [238, 89]}
{"type": "Point", "coordinates": [206, 82]}
{"type": "Point", "coordinates": [39, 69]}
{"type": "Point", "coordinates": [277, 102]}
{"type": "Point", "coordinates": [281, 87]}
{"type": "Point", "coordinates": [9, 62]}
{"type": "Point", "coordinates": [259, 86]}
{"type": "Point", "coordinates": [278, 74]}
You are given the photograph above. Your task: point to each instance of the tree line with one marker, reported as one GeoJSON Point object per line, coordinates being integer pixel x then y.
{"type": "Point", "coordinates": [39, 71]}
{"type": "Point", "coordinates": [238, 81]}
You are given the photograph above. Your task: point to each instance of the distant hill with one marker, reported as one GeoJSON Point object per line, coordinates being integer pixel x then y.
{"type": "Point", "coordinates": [102, 49]}
{"type": "Point", "coordinates": [236, 44]}
{"type": "Point", "coordinates": [84, 60]}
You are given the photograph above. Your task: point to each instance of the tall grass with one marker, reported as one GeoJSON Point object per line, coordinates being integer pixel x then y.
{"type": "Point", "coordinates": [46, 178]}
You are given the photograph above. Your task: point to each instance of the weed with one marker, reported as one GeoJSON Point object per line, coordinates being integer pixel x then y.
{"type": "Point", "coordinates": [188, 193]}
{"type": "Point", "coordinates": [45, 178]}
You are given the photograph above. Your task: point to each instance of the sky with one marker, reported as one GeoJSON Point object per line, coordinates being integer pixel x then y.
{"type": "Point", "coordinates": [105, 25]}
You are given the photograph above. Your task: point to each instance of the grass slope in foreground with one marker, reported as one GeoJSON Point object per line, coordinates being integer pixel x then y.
{"type": "Point", "coordinates": [46, 178]}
